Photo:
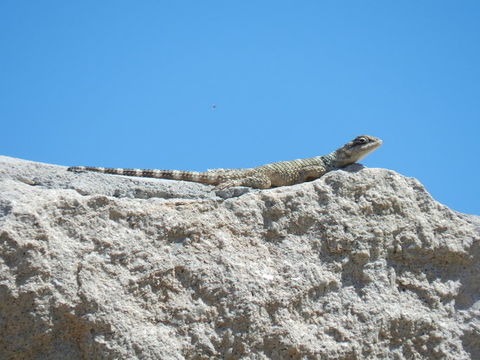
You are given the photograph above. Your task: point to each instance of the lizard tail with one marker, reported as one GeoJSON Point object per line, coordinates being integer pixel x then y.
{"type": "Point", "coordinates": [194, 176]}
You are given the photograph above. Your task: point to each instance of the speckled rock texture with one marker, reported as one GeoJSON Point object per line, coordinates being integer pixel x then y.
{"type": "Point", "coordinates": [360, 264]}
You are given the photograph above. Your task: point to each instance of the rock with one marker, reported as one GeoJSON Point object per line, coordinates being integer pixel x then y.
{"type": "Point", "coordinates": [360, 264]}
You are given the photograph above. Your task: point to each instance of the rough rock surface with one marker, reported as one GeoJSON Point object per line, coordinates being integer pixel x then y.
{"type": "Point", "coordinates": [360, 264]}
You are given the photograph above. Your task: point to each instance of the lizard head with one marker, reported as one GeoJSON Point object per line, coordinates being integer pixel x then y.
{"type": "Point", "coordinates": [356, 149]}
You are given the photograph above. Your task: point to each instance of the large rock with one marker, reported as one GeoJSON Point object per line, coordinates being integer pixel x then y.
{"type": "Point", "coordinates": [360, 264]}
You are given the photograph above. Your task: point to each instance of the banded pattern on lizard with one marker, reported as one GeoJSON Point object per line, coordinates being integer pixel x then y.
{"type": "Point", "coordinates": [262, 177]}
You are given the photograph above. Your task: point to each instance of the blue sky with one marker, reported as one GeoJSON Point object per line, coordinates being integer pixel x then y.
{"type": "Point", "coordinates": [132, 83]}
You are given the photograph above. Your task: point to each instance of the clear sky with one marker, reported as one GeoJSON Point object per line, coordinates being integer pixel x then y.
{"type": "Point", "coordinates": [196, 85]}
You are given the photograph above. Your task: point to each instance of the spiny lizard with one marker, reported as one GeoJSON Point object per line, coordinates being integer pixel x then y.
{"type": "Point", "coordinates": [262, 177]}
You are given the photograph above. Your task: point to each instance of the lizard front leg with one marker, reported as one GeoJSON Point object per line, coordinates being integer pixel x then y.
{"type": "Point", "coordinates": [310, 173]}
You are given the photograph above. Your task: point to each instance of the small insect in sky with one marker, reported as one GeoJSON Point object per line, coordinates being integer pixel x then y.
{"type": "Point", "coordinates": [214, 106]}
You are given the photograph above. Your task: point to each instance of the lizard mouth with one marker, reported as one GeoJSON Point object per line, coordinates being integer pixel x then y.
{"type": "Point", "coordinates": [372, 146]}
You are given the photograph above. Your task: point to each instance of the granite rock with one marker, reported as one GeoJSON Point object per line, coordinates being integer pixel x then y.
{"type": "Point", "coordinates": [359, 264]}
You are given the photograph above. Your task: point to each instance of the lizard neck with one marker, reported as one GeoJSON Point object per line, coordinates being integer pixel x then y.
{"type": "Point", "coordinates": [330, 161]}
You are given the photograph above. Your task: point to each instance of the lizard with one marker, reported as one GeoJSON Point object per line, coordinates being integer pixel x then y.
{"type": "Point", "coordinates": [275, 174]}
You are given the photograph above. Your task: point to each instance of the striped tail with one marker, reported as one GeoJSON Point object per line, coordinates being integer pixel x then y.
{"type": "Point", "coordinates": [194, 176]}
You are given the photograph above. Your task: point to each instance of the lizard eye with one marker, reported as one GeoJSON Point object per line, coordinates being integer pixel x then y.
{"type": "Point", "coordinates": [361, 140]}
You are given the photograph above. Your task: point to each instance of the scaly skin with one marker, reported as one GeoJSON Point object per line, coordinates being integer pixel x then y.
{"type": "Point", "coordinates": [262, 177]}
